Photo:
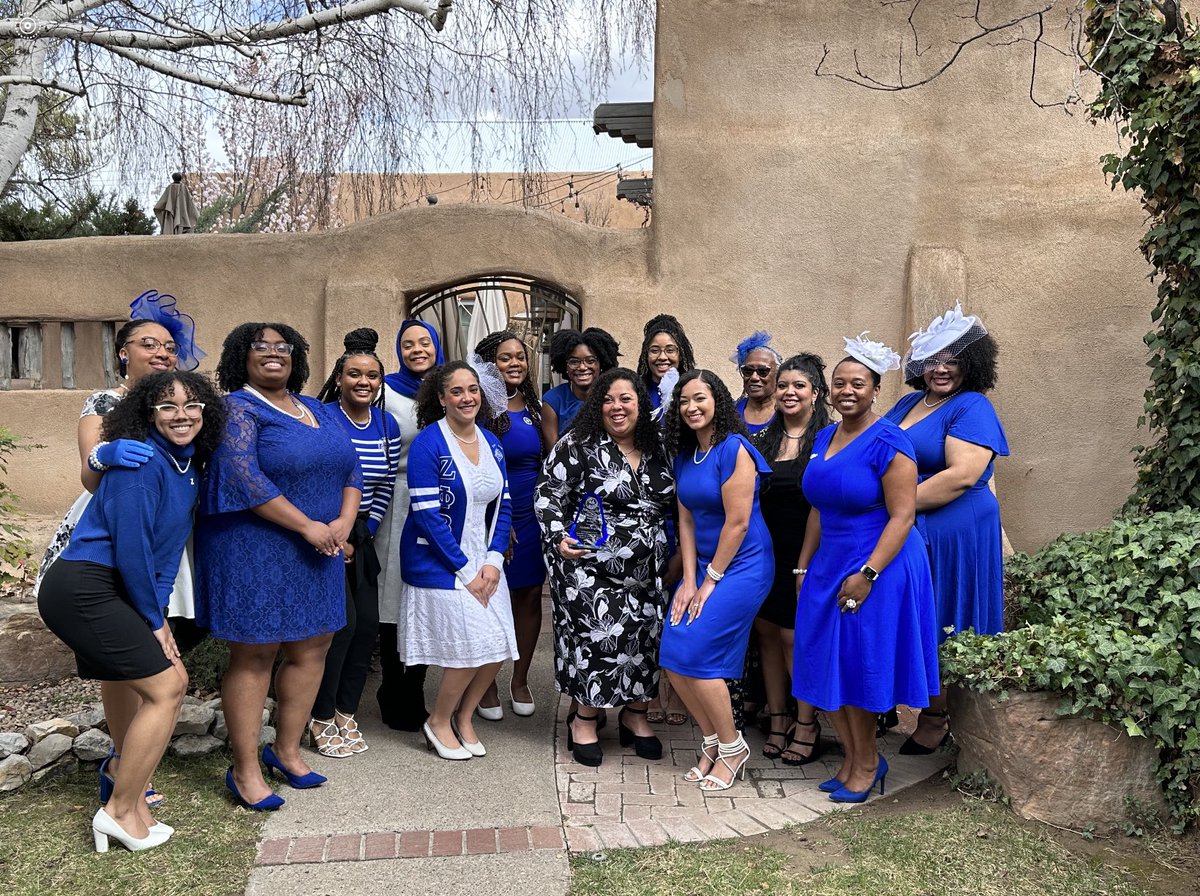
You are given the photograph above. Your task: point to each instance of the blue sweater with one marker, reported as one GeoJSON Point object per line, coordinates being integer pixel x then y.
{"type": "Point", "coordinates": [430, 552]}
{"type": "Point", "coordinates": [378, 448]}
{"type": "Point", "coordinates": [138, 522]}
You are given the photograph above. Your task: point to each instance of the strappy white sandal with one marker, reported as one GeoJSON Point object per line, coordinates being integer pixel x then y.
{"type": "Point", "coordinates": [694, 775]}
{"type": "Point", "coordinates": [328, 741]}
{"type": "Point", "coordinates": [350, 734]}
{"type": "Point", "coordinates": [724, 753]}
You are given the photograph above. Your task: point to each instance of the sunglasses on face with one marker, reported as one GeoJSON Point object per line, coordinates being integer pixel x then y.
{"type": "Point", "coordinates": [274, 348]}
{"type": "Point", "coordinates": [749, 370]}
{"type": "Point", "coordinates": [150, 344]}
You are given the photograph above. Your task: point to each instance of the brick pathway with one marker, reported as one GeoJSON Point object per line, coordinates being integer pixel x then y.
{"type": "Point", "coordinates": [626, 802]}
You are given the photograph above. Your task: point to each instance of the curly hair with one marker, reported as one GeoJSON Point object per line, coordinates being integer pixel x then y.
{"type": "Point", "coordinates": [357, 342]}
{"type": "Point", "coordinates": [603, 346]}
{"type": "Point", "coordinates": [769, 439]}
{"type": "Point", "coordinates": [231, 369]}
{"type": "Point", "coordinates": [978, 362]}
{"type": "Point", "coordinates": [133, 417]}
{"type": "Point", "coordinates": [665, 323]}
{"type": "Point", "coordinates": [486, 349]}
{"type": "Point", "coordinates": [680, 437]}
{"type": "Point", "coordinates": [123, 336]}
{"type": "Point", "coordinates": [589, 422]}
{"type": "Point", "coordinates": [429, 407]}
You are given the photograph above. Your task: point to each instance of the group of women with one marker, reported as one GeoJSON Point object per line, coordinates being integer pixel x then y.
{"type": "Point", "coordinates": [426, 508]}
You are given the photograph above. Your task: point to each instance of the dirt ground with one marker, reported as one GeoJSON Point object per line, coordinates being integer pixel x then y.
{"type": "Point", "coordinates": [1165, 865]}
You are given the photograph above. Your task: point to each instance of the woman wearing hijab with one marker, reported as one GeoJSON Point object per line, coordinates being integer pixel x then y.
{"type": "Point", "coordinates": [401, 692]}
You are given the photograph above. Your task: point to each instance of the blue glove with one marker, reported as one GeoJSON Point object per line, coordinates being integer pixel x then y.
{"type": "Point", "coordinates": [128, 453]}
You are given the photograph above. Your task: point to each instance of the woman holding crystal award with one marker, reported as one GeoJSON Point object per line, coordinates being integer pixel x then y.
{"type": "Point", "coordinates": [602, 502]}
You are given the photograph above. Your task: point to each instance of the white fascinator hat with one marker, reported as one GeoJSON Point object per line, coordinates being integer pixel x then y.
{"type": "Point", "coordinates": [875, 355]}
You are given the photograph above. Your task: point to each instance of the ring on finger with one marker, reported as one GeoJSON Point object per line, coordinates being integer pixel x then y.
{"type": "Point", "coordinates": [851, 604]}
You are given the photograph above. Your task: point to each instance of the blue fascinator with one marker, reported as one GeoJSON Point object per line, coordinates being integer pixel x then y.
{"type": "Point", "coordinates": [160, 308]}
{"type": "Point", "coordinates": [761, 339]}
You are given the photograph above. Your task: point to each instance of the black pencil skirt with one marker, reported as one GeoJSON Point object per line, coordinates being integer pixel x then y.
{"type": "Point", "coordinates": [86, 606]}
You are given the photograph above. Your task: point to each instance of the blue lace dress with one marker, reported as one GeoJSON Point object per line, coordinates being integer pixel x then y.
{"type": "Point", "coordinates": [256, 582]}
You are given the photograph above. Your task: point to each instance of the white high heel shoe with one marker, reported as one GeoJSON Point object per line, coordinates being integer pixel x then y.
{"type": "Point", "coordinates": [432, 743]}
{"type": "Point", "coordinates": [104, 827]}
{"type": "Point", "coordinates": [476, 749]}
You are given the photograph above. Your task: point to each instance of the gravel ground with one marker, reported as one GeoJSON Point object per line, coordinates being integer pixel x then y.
{"type": "Point", "coordinates": [22, 706]}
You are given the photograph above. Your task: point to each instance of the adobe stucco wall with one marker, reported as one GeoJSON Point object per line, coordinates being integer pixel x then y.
{"type": "Point", "coordinates": [804, 205]}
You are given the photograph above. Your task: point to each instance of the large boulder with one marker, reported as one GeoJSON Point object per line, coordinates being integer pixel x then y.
{"type": "Point", "coordinates": [1069, 771]}
{"type": "Point", "coordinates": [30, 653]}
{"type": "Point", "coordinates": [15, 771]}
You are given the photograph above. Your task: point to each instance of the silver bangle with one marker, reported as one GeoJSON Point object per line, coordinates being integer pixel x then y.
{"type": "Point", "coordinates": [799, 572]}
{"type": "Point", "coordinates": [713, 574]}
{"type": "Point", "coordinates": [93, 461]}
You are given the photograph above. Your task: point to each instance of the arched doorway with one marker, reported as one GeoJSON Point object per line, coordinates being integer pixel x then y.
{"type": "Point", "coordinates": [466, 312]}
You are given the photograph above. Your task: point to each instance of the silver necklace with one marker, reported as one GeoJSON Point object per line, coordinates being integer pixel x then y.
{"type": "Point", "coordinates": [513, 393]}
{"type": "Point", "coordinates": [354, 422]}
{"type": "Point", "coordinates": [925, 399]}
{"type": "Point", "coordinates": [301, 408]}
{"type": "Point", "coordinates": [788, 435]}
{"type": "Point", "coordinates": [175, 463]}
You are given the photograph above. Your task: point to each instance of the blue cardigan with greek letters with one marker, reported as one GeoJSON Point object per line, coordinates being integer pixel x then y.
{"type": "Point", "coordinates": [430, 552]}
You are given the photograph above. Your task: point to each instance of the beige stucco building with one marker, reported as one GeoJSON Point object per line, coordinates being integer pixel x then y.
{"type": "Point", "coordinates": [800, 204]}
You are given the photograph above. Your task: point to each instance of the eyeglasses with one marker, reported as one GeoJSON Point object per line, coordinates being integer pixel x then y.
{"type": "Point", "coordinates": [576, 363]}
{"type": "Point", "coordinates": [948, 363]}
{"type": "Point", "coordinates": [192, 408]}
{"type": "Point", "coordinates": [749, 370]}
{"type": "Point", "coordinates": [150, 344]}
{"type": "Point", "coordinates": [272, 348]}
{"type": "Point", "coordinates": [658, 351]}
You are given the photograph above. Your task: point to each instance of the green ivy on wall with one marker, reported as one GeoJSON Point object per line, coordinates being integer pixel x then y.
{"type": "Point", "coordinates": [1148, 58]}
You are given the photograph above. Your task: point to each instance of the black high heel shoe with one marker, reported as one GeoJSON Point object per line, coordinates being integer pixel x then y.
{"type": "Point", "coordinates": [913, 748]}
{"type": "Point", "coordinates": [585, 754]}
{"type": "Point", "coordinates": [816, 748]}
{"type": "Point", "coordinates": [645, 746]}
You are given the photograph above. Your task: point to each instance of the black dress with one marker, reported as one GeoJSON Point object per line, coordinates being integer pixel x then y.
{"type": "Point", "coordinates": [785, 510]}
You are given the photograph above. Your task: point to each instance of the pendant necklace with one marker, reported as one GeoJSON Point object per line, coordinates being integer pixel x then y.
{"type": "Point", "coordinates": [353, 422]}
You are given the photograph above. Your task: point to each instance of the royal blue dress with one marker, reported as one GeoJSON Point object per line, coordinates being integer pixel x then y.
{"type": "Point", "coordinates": [256, 582]}
{"type": "Point", "coordinates": [523, 458]}
{"type": "Point", "coordinates": [566, 405]}
{"type": "Point", "coordinates": [963, 537]}
{"type": "Point", "coordinates": [752, 428]}
{"type": "Point", "coordinates": [885, 654]}
{"type": "Point", "coordinates": [714, 646]}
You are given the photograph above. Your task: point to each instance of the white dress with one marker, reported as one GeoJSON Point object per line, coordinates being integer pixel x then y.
{"type": "Point", "coordinates": [387, 537]}
{"type": "Point", "coordinates": [450, 628]}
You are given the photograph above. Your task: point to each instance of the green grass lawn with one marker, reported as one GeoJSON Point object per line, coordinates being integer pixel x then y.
{"type": "Point", "coordinates": [977, 849]}
{"type": "Point", "coordinates": [46, 838]}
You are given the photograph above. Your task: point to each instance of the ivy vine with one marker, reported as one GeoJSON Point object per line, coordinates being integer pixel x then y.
{"type": "Point", "coordinates": [1147, 55]}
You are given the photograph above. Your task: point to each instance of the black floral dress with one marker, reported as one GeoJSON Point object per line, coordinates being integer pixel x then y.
{"type": "Point", "coordinates": [609, 605]}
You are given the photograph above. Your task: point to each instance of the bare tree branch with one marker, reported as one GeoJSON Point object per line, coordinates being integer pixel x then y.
{"type": "Point", "coordinates": [191, 77]}
{"type": "Point", "coordinates": [37, 82]}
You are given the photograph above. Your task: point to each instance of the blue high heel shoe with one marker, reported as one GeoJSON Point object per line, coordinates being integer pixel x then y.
{"type": "Point", "coordinates": [266, 804]}
{"type": "Point", "coordinates": [833, 785]}
{"type": "Point", "coordinates": [153, 797]}
{"type": "Point", "coordinates": [300, 782]}
{"type": "Point", "coordinates": [860, 796]}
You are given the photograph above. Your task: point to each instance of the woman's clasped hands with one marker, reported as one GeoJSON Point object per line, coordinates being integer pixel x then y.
{"type": "Point", "coordinates": [483, 586]}
{"type": "Point", "coordinates": [690, 600]}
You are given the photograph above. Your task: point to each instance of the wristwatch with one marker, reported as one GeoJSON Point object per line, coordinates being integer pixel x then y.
{"type": "Point", "coordinates": [868, 573]}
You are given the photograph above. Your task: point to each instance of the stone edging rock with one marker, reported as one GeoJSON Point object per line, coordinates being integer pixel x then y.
{"type": "Point", "coordinates": [57, 746]}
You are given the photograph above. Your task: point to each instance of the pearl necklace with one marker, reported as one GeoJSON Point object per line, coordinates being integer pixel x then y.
{"type": "Point", "coordinates": [696, 454]}
{"type": "Point", "coordinates": [925, 399]}
{"type": "Point", "coordinates": [461, 439]}
{"type": "Point", "coordinates": [301, 408]}
{"type": "Point", "coordinates": [353, 422]}
{"type": "Point", "coordinates": [175, 463]}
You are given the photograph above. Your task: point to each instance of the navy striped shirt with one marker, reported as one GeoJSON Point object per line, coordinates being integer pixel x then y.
{"type": "Point", "coordinates": [378, 449]}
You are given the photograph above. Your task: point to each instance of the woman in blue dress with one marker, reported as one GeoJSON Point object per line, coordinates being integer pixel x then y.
{"type": "Point", "coordinates": [580, 358]}
{"type": "Point", "coordinates": [280, 499]}
{"type": "Point", "coordinates": [865, 638]}
{"type": "Point", "coordinates": [520, 432]}
{"type": "Point", "coordinates": [757, 360]}
{"type": "Point", "coordinates": [728, 567]}
{"type": "Point", "coordinates": [354, 387]}
{"type": "Point", "coordinates": [957, 436]}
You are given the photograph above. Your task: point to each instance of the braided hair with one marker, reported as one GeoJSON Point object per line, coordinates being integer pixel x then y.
{"type": "Point", "coordinates": [665, 323]}
{"type": "Point", "coordinates": [429, 405]}
{"type": "Point", "coordinates": [601, 342]}
{"type": "Point", "coordinates": [679, 437]}
{"type": "Point", "coordinates": [588, 425]}
{"type": "Point", "coordinates": [357, 342]}
{"type": "Point", "coordinates": [486, 349]}
{"type": "Point", "coordinates": [770, 439]}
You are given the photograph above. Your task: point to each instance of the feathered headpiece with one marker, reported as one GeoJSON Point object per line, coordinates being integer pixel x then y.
{"type": "Point", "coordinates": [160, 308]}
{"type": "Point", "coordinates": [875, 355]}
{"type": "Point", "coordinates": [761, 339]}
{"type": "Point", "coordinates": [950, 332]}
